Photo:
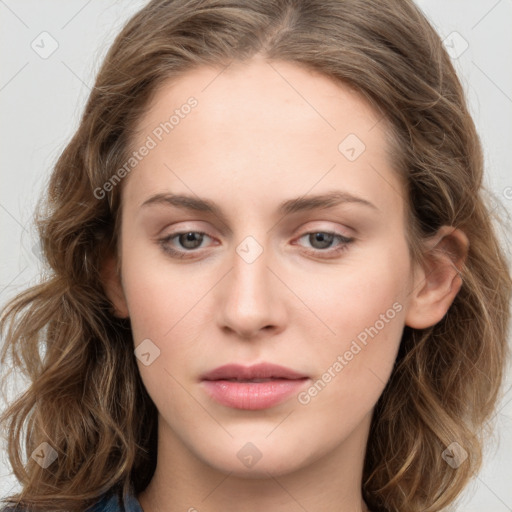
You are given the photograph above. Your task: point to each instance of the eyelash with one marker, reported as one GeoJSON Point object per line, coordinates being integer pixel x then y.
{"type": "Point", "coordinates": [343, 246]}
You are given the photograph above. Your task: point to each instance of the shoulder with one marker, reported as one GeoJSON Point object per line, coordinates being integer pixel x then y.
{"type": "Point", "coordinates": [110, 503]}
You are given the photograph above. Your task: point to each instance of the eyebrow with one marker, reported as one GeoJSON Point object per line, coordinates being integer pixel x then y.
{"type": "Point", "coordinates": [299, 204]}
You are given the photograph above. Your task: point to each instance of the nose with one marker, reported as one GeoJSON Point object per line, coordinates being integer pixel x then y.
{"type": "Point", "coordinates": [251, 297]}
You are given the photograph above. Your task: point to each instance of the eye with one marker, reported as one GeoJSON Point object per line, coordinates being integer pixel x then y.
{"type": "Point", "coordinates": [187, 240]}
{"type": "Point", "coordinates": [321, 242]}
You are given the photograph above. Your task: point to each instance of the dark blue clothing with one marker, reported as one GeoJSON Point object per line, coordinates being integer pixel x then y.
{"type": "Point", "coordinates": [110, 503]}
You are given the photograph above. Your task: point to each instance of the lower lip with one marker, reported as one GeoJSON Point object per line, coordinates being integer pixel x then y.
{"type": "Point", "coordinates": [252, 395]}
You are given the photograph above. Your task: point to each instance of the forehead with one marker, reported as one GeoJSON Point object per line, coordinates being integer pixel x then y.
{"type": "Point", "coordinates": [265, 90]}
{"type": "Point", "coordinates": [258, 122]}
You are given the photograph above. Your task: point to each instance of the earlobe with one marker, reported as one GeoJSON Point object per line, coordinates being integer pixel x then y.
{"type": "Point", "coordinates": [113, 288]}
{"type": "Point", "coordinates": [440, 279]}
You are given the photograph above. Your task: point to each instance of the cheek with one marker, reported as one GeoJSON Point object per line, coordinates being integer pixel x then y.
{"type": "Point", "coordinates": [351, 297]}
{"type": "Point", "coordinates": [161, 296]}
{"type": "Point", "coordinates": [167, 307]}
{"type": "Point", "coordinates": [363, 309]}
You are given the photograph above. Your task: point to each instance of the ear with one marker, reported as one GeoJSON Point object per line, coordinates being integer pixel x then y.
{"type": "Point", "coordinates": [111, 281]}
{"type": "Point", "coordinates": [437, 283]}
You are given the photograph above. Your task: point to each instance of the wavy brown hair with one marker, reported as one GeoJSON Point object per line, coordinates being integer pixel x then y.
{"type": "Point", "coordinates": [86, 398]}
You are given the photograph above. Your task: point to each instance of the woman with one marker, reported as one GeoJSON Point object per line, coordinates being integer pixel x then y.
{"type": "Point", "coordinates": [274, 282]}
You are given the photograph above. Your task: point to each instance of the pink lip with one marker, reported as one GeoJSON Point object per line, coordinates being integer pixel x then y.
{"type": "Point", "coordinates": [282, 382]}
{"type": "Point", "coordinates": [257, 371]}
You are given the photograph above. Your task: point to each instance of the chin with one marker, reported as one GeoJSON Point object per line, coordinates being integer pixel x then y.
{"type": "Point", "coordinates": [257, 459]}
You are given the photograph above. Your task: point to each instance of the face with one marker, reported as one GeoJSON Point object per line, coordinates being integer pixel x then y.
{"type": "Point", "coordinates": [266, 275]}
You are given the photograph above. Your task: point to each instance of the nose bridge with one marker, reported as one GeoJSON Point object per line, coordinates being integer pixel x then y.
{"type": "Point", "coordinates": [250, 276]}
{"type": "Point", "coordinates": [250, 301]}
{"type": "Point", "coordinates": [250, 268]}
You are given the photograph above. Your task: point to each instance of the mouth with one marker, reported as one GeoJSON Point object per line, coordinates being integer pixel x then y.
{"type": "Point", "coordinates": [262, 371]}
{"type": "Point", "coordinates": [252, 380]}
{"type": "Point", "coordinates": [252, 388]}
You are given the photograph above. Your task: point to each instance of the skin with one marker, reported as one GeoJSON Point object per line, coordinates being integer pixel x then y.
{"type": "Point", "coordinates": [263, 133]}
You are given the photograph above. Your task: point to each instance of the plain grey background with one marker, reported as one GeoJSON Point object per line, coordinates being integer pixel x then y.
{"type": "Point", "coordinates": [51, 51]}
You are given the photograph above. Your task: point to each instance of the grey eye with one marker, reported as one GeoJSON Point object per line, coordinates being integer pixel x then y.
{"type": "Point", "coordinates": [321, 239]}
{"type": "Point", "coordinates": [190, 240]}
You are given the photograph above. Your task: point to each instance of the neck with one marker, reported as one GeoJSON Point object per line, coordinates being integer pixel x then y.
{"type": "Point", "coordinates": [330, 483]}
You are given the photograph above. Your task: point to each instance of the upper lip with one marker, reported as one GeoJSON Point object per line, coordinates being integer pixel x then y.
{"type": "Point", "coordinates": [257, 371]}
